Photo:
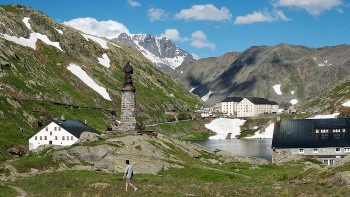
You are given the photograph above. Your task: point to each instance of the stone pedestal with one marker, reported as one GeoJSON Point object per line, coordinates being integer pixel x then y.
{"type": "Point", "coordinates": [128, 111]}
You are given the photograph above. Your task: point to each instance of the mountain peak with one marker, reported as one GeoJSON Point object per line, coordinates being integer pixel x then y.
{"type": "Point", "coordinates": [159, 50]}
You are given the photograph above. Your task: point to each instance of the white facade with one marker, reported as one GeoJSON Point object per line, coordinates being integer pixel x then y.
{"type": "Point", "coordinates": [229, 108]}
{"type": "Point", "coordinates": [52, 134]}
{"type": "Point", "coordinates": [246, 108]}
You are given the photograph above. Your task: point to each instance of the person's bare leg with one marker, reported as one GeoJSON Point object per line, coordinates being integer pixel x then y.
{"type": "Point", "coordinates": [126, 186]}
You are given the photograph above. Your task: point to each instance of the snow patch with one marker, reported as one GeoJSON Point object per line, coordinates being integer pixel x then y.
{"type": "Point", "coordinates": [104, 61]}
{"type": "Point", "coordinates": [26, 22]}
{"type": "Point", "coordinates": [223, 126]}
{"type": "Point", "coordinates": [59, 31]}
{"type": "Point", "coordinates": [268, 133]}
{"type": "Point", "coordinates": [82, 75]}
{"type": "Point", "coordinates": [292, 92]}
{"type": "Point", "coordinates": [277, 89]}
{"type": "Point", "coordinates": [206, 97]}
{"type": "Point", "coordinates": [31, 41]}
{"type": "Point", "coordinates": [33, 38]}
{"type": "Point", "coordinates": [346, 104]}
{"type": "Point", "coordinates": [325, 116]}
{"type": "Point", "coordinates": [100, 41]}
{"type": "Point", "coordinates": [294, 101]}
{"type": "Point", "coordinates": [315, 58]}
{"type": "Point", "coordinates": [193, 89]}
{"type": "Point", "coordinates": [320, 64]}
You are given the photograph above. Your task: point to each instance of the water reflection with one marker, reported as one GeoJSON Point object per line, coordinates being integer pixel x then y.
{"type": "Point", "coordinates": [241, 147]}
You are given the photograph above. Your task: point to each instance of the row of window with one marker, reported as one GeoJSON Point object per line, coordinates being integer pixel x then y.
{"type": "Point", "coordinates": [56, 137]}
{"type": "Point", "coordinates": [315, 150]}
{"type": "Point", "coordinates": [54, 128]}
{"type": "Point", "coordinates": [338, 130]}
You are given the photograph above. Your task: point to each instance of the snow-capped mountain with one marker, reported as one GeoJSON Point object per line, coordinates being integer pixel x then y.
{"type": "Point", "coordinates": [159, 50]}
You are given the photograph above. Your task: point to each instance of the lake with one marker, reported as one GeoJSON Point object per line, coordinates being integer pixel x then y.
{"type": "Point", "coordinates": [241, 147]}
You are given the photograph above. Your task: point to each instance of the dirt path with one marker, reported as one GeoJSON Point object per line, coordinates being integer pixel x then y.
{"type": "Point", "coordinates": [20, 191]}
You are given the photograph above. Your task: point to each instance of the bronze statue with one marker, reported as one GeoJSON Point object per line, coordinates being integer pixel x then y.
{"type": "Point", "coordinates": [128, 71]}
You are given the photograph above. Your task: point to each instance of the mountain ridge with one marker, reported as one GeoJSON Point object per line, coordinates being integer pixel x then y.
{"type": "Point", "coordinates": [255, 72]}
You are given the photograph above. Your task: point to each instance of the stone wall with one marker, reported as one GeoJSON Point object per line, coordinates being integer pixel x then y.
{"type": "Point", "coordinates": [128, 111]}
{"type": "Point", "coordinates": [331, 153]}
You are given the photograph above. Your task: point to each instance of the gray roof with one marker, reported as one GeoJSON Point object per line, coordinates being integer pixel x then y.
{"type": "Point", "coordinates": [300, 133]}
{"type": "Point", "coordinates": [75, 127]}
{"type": "Point", "coordinates": [261, 101]}
{"type": "Point", "coordinates": [232, 99]}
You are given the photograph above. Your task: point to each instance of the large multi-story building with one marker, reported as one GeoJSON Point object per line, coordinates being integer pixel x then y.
{"type": "Point", "coordinates": [248, 106]}
{"type": "Point", "coordinates": [229, 105]}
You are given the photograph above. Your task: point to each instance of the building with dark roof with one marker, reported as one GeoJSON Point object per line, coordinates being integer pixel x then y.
{"type": "Point", "coordinates": [327, 140]}
{"type": "Point", "coordinates": [253, 106]}
{"type": "Point", "coordinates": [60, 132]}
{"type": "Point", "coordinates": [229, 105]}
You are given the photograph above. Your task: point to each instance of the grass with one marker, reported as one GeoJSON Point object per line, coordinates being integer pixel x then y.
{"type": "Point", "coordinates": [219, 180]}
{"type": "Point", "coordinates": [7, 191]}
{"type": "Point", "coordinates": [37, 161]}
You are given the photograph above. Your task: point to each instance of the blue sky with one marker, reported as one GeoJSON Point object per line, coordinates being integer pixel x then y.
{"type": "Point", "coordinates": [208, 28]}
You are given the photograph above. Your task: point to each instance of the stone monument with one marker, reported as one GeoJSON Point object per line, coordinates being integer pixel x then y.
{"type": "Point", "coordinates": [128, 102]}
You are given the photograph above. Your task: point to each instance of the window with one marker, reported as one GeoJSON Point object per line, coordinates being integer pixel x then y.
{"type": "Point", "coordinates": [331, 162]}
{"type": "Point", "coordinates": [47, 129]}
{"type": "Point", "coordinates": [41, 138]}
{"type": "Point", "coordinates": [315, 150]}
{"type": "Point", "coordinates": [71, 137]}
{"type": "Point", "coordinates": [347, 150]}
{"type": "Point", "coordinates": [56, 137]}
{"type": "Point", "coordinates": [337, 149]}
{"type": "Point", "coordinates": [325, 162]}
{"type": "Point", "coordinates": [59, 128]}
{"type": "Point", "coordinates": [62, 137]}
{"type": "Point", "coordinates": [55, 128]}
{"type": "Point", "coordinates": [50, 132]}
{"type": "Point", "coordinates": [36, 138]}
{"type": "Point", "coordinates": [301, 150]}
{"type": "Point", "coordinates": [67, 137]}
{"type": "Point", "coordinates": [45, 137]}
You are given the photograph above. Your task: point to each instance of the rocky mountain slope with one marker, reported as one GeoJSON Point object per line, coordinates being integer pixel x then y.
{"type": "Point", "coordinates": [48, 70]}
{"type": "Point", "coordinates": [284, 73]}
{"type": "Point", "coordinates": [159, 50]}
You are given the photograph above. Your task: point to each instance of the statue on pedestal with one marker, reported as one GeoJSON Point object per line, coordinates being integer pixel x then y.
{"type": "Point", "coordinates": [128, 71]}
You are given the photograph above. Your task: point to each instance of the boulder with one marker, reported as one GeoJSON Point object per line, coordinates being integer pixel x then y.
{"type": "Point", "coordinates": [87, 137]}
{"type": "Point", "coordinates": [17, 150]}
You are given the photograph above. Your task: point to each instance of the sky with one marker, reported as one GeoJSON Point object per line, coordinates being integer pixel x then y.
{"type": "Point", "coordinates": [208, 28]}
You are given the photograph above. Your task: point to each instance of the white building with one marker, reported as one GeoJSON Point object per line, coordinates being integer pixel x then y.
{"type": "Point", "coordinates": [253, 106]}
{"type": "Point", "coordinates": [229, 105]}
{"type": "Point", "coordinates": [59, 132]}
{"type": "Point", "coordinates": [248, 106]}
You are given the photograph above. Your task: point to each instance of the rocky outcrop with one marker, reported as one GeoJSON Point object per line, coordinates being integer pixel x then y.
{"type": "Point", "coordinates": [148, 154]}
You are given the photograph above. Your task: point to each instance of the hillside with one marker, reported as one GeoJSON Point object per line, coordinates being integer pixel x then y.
{"type": "Point", "coordinates": [48, 70]}
{"type": "Point", "coordinates": [281, 73]}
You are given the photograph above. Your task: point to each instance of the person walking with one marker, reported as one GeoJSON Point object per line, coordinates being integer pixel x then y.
{"type": "Point", "coordinates": [128, 174]}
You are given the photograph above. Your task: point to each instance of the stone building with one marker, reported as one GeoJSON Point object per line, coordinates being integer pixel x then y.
{"type": "Point", "coordinates": [327, 140]}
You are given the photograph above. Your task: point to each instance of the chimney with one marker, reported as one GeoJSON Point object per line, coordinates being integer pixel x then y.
{"type": "Point", "coordinates": [62, 117]}
{"type": "Point", "coordinates": [85, 121]}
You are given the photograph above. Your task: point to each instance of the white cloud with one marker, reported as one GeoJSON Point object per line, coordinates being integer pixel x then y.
{"type": "Point", "coordinates": [313, 7]}
{"type": "Point", "coordinates": [109, 29]}
{"type": "Point", "coordinates": [256, 17]}
{"type": "Point", "coordinates": [204, 12]}
{"type": "Point", "coordinates": [134, 3]}
{"type": "Point", "coordinates": [157, 14]}
{"type": "Point", "coordinates": [173, 34]}
{"type": "Point", "coordinates": [199, 40]}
